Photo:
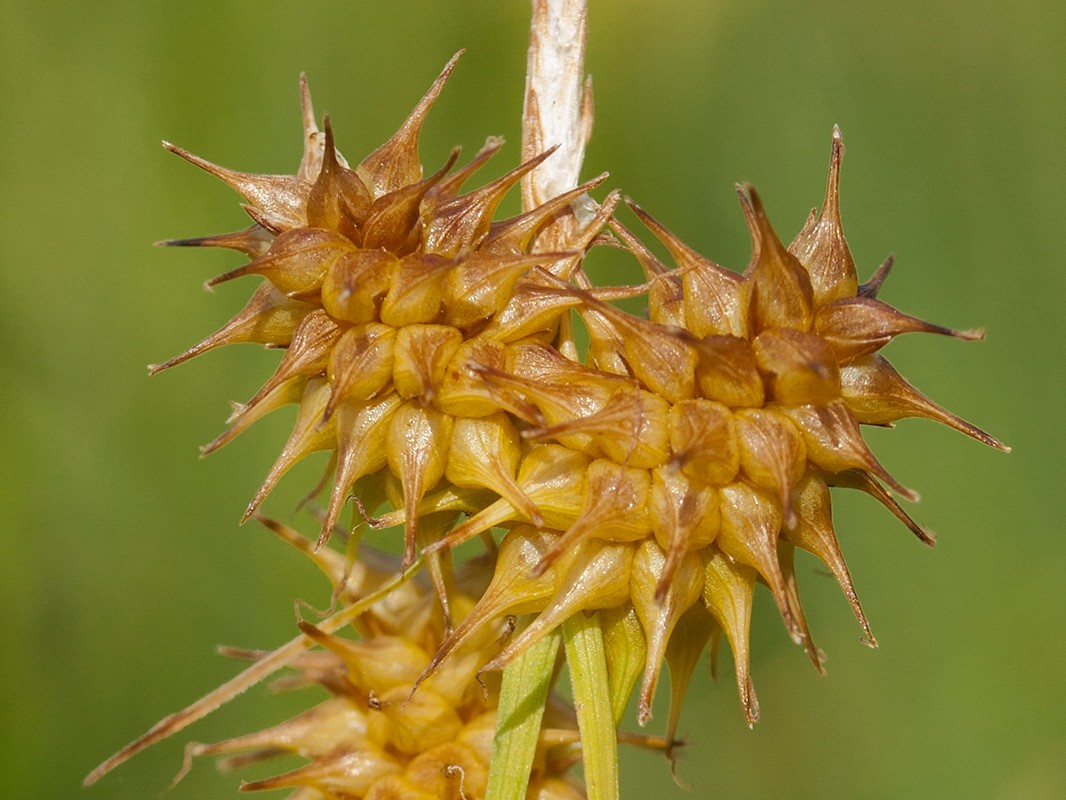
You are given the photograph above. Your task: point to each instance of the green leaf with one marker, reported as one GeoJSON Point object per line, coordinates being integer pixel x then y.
{"type": "Point", "coordinates": [523, 694]}
{"type": "Point", "coordinates": [587, 660]}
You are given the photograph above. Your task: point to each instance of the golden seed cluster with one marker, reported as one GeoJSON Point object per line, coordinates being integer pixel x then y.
{"type": "Point", "coordinates": [656, 479]}
{"type": "Point", "coordinates": [373, 737]}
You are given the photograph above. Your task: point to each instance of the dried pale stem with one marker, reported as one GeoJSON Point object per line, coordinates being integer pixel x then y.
{"type": "Point", "coordinates": [558, 106]}
{"type": "Point", "coordinates": [557, 113]}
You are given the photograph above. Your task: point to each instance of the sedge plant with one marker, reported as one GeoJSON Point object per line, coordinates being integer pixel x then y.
{"type": "Point", "coordinates": [628, 495]}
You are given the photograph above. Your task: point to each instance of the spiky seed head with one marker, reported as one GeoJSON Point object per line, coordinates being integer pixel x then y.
{"type": "Point", "coordinates": [656, 480]}
{"type": "Point", "coordinates": [712, 432]}
{"type": "Point", "coordinates": [380, 282]}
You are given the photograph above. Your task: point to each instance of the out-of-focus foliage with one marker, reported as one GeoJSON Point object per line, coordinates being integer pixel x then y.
{"type": "Point", "coordinates": [122, 564]}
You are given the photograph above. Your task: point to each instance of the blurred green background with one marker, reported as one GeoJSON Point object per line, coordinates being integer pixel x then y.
{"type": "Point", "coordinates": [122, 565]}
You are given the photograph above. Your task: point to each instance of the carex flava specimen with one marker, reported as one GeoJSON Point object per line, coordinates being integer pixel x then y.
{"type": "Point", "coordinates": [656, 477]}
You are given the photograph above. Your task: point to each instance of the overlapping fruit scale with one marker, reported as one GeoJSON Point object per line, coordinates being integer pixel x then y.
{"type": "Point", "coordinates": [658, 481]}
{"type": "Point", "coordinates": [372, 738]}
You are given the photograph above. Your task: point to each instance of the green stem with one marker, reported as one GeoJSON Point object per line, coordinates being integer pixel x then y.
{"type": "Point", "coordinates": [587, 660]}
{"type": "Point", "coordinates": [523, 694]}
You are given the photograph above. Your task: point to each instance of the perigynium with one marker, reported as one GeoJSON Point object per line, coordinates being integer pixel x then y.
{"type": "Point", "coordinates": [642, 487]}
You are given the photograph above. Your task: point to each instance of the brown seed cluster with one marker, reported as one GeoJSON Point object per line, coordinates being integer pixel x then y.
{"type": "Point", "coordinates": [657, 479]}
{"type": "Point", "coordinates": [373, 738]}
